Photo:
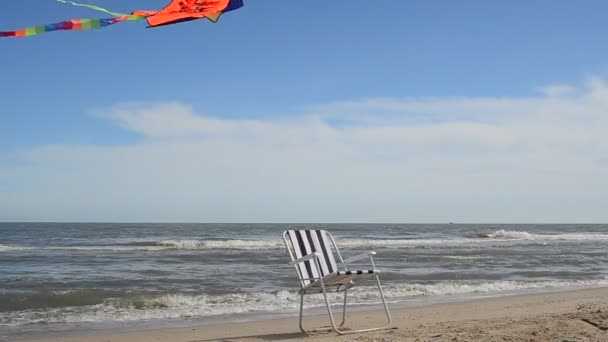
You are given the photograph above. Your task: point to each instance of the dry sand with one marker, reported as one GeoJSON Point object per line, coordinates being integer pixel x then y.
{"type": "Point", "coordinates": [564, 316]}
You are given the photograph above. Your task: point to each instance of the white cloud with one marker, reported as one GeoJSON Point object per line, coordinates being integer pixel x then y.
{"type": "Point", "coordinates": [472, 159]}
{"type": "Point", "coordinates": [557, 90]}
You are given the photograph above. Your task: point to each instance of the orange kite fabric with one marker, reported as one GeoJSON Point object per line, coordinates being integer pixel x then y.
{"type": "Point", "coordinates": [184, 10]}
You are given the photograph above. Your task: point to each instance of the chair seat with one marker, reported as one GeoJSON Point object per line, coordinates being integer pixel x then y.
{"type": "Point", "coordinates": [339, 279]}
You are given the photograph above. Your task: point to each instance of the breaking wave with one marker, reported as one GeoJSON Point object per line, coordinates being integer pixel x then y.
{"type": "Point", "coordinates": [191, 244]}
{"type": "Point", "coordinates": [465, 257]}
{"type": "Point", "coordinates": [160, 245]}
{"type": "Point", "coordinates": [208, 244]}
{"type": "Point", "coordinates": [518, 235]}
{"type": "Point", "coordinates": [5, 248]}
{"type": "Point", "coordinates": [87, 307]}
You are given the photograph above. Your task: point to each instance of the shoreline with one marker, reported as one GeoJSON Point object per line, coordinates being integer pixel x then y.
{"type": "Point", "coordinates": [578, 314]}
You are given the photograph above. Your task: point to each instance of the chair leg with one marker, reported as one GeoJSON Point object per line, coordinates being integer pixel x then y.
{"type": "Point", "coordinates": [388, 315]}
{"type": "Point", "coordinates": [344, 308]}
{"type": "Point", "coordinates": [331, 316]}
{"type": "Point", "coordinates": [302, 313]}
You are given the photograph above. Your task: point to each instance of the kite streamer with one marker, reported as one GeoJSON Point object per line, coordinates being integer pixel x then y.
{"type": "Point", "coordinates": [93, 7]}
{"type": "Point", "coordinates": [175, 12]}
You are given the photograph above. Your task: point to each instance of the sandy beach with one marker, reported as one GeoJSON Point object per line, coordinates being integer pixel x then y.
{"type": "Point", "coordinates": [580, 315]}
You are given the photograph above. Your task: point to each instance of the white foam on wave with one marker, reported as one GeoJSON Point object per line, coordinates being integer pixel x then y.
{"type": "Point", "coordinates": [161, 245]}
{"type": "Point", "coordinates": [6, 248]}
{"type": "Point", "coordinates": [276, 244]}
{"type": "Point", "coordinates": [186, 306]}
{"type": "Point", "coordinates": [522, 235]}
{"type": "Point", "coordinates": [181, 244]}
{"type": "Point", "coordinates": [487, 287]}
{"type": "Point", "coordinates": [506, 234]}
{"type": "Point", "coordinates": [221, 244]}
{"type": "Point", "coordinates": [483, 239]}
{"type": "Point", "coordinates": [399, 243]}
{"type": "Point", "coordinates": [161, 307]}
{"type": "Point", "coordinates": [465, 257]}
{"type": "Point", "coordinates": [248, 245]}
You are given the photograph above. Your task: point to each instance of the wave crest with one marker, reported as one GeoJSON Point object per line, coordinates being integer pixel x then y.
{"type": "Point", "coordinates": [522, 235]}
{"type": "Point", "coordinates": [144, 307]}
{"type": "Point", "coordinates": [497, 237]}
{"type": "Point", "coordinates": [220, 244]}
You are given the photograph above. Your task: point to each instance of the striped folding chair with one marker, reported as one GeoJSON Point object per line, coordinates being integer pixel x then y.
{"type": "Point", "coordinates": [312, 255]}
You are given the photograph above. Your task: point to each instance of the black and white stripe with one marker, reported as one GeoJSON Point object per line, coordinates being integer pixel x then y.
{"type": "Point", "coordinates": [305, 242]}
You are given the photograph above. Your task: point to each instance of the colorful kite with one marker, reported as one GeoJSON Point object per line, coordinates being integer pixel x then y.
{"type": "Point", "coordinates": [175, 12]}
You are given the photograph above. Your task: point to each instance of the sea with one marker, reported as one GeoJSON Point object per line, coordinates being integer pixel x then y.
{"type": "Point", "coordinates": [69, 278]}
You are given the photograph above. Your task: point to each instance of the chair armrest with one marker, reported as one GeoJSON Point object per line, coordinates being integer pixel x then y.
{"type": "Point", "coordinates": [359, 257]}
{"type": "Point", "coordinates": [305, 258]}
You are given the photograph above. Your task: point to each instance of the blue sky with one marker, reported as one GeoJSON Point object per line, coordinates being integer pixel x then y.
{"type": "Point", "coordinates": [344, 75]}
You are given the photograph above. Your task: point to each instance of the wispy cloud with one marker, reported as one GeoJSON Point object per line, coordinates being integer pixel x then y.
{"type": "Point", "coordinates": [539, 158]}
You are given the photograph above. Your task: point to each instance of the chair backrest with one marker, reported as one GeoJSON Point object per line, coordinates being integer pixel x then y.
{"type": "Point", "coordinates": [300, 243]}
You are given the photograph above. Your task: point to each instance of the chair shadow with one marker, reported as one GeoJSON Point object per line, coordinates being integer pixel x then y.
{"type": "Point", "coordinates": [268, 337]}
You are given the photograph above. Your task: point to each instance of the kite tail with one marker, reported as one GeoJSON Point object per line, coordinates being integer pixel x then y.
{"type": "Point", "coordinates": [73, 25]}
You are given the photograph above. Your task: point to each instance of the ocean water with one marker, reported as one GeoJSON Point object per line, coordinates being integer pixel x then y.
{"type": "Point", "coordinates": [67, 277]}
